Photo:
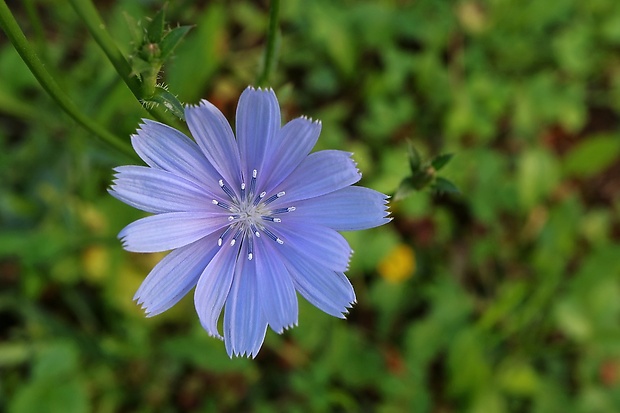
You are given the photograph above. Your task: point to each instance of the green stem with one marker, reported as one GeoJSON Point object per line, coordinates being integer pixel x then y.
{"type": "Point", "coordinates": [269, 58]}
{"type": "Point", "coordinates": [89, 15]}
{"type": "Point", "coordinates": [19, 41]}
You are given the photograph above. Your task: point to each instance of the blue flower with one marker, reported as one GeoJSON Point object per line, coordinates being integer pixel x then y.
{"type": "Point", "coordinates": [250, 221]}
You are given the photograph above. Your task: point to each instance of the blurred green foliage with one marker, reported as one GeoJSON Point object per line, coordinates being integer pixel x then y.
{"type": "Point", "coordinates": [505, 298]}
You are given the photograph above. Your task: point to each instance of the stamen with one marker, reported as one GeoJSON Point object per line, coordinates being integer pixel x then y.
{"type": "Point", "coordinates": [226, 189]}
{"type": "Point", "coordinates": [282, 210]}
{"type": "Point", "coordinates": [250, 248]}
{"type": "Point", "coordinates": [260, 197]}
{"type": "Point", "coordinates": [221, 239]}
{"type": "Point", "coordinates": [272, 235]}
{"type": "Point", "coordinates": [253, 181]}
{"type": "Point", "coordinates": [234, 240]}
{"type": "Point", "coordinates": [272, 219]}
{"type": "Point", "coordinates": [255, 230]}
{"type": "Point", "coordinates": [242, 190]}
{"type": "Point", "coordinates": [274, 197]}
{"type": "Point", "coordinates": [222, 205]}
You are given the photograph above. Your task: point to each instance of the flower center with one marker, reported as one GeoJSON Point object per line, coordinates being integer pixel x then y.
{"type": "Point", "coordinates": [251, 215]}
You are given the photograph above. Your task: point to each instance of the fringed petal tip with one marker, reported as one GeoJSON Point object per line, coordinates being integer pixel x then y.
{"type": "Point", "coordinates": [212, 330]}
{"type": "Point", "coordinates": [284, 328]}
{"type": "Point", "coordinates": [147, 308]}
{"type": "Point", "coordinates": [218, 336]}
{"type": "Point", "coordinates": [245, 353]}
{"type": "Point", "coordinates": [309, 119]}
{"type": "Point", "coordinates": [124, 243]}
{"type": "Point", "coordinates": [260, 89]}
{"type": "Point", "coordinates": [345, 312]}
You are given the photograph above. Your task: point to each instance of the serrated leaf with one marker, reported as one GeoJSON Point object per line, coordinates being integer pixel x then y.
{"type": "Point", "coordinates": [440, 161]}
{"type": "Point", "coordinates": [168, 100]}
{"type": "Point", "coordinates": [155, 29]}
{"type": "Point", "coordinates": [442, 185]}
{"type": "Point", "coordinates": [172, 40]}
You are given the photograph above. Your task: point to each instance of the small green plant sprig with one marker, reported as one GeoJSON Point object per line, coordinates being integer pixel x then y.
{"type": "Point", "coordinates": [153, 46]}
{"type": "Point", "coordinates": [424, 175]}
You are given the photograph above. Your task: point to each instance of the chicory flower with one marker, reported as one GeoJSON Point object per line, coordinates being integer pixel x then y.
{"type": "Point", "coordinates": [250, 220]}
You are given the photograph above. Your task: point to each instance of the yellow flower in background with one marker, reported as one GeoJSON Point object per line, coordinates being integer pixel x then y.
{"type": "Point", "coordinates": [398, 265]}
{"type": "Point", "coordinates": [96, 263]}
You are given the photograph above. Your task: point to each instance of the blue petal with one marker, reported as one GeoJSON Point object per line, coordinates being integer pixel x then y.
{"type": "Point", "coordinates": [295, 141]}
{"type": "Point", "coordinates": [258, 121]}
{"type": "Point", "coordinates": [348, 209]}
{"type": "Point", "coordinates": [212, 132]}
{"type": "Point", "coordinates": [155, 190]}
{"type": "Point", "coordinates": [275, 287]}
{"type": "Point", "coordinates": [170, 230]}
{"type": "Point", "coordinates": [244, 323]}
{"type": "Point", "coordinates": [213, 288]}
{"type": "Point", "coordinates": [175, 275]}
{"type": "Point", "coordinates": [319, 174]}
{"type": "Point", "coordinates": [314, 242]}
{"type": "Point", "coordinates": [328, 290]}
{"type": "Point", "coordinates": [163, 147]}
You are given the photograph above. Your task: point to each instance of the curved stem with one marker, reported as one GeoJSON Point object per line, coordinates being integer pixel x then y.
{"type": "Point", "coordinates": [89, 15]}
{"type": "Point", "coordinates": [28, 55]}
{"type": "Point", "coordinates": [269, 58]}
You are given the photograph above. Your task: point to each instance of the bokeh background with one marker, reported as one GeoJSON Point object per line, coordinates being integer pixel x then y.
{"type": "Point", "coordinates": [505, 298]}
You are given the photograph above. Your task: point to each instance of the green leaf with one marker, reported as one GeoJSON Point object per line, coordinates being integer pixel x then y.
{"type": "Point", "coordinates": [440, 161]}
{"type": "Point", "coordinates": [592, 155]}
{"type": "Point", "coordinates": [135, 29]}
{"type": "Point", "coordinates": [405, 189]}
{"type": "Point", "coordinates": [172, 40]}
{"type": "Point", "coordinates": [415, 161]}
{"type": "Point", "coordinates": [155, 30]}
{"type": "Point", "coordinates": [170, 102]}
{"type": "Point", "coordinates": [139, 66]}
{"type": "Point", "coordinates": [442, 185]}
